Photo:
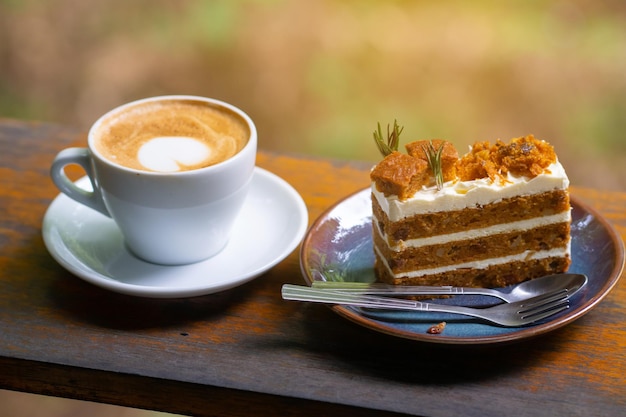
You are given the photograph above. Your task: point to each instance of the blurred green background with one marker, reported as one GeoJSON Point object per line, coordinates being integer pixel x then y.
{"type": "Point", "coordinates": [317, 76]}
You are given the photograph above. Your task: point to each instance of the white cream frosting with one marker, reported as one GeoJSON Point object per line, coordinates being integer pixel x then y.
{"type": "Point", "coordinates": [458, 195]}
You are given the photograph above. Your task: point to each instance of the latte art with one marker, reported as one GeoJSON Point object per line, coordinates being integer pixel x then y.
{"type": "Point", "coordinates": [169, 154]}
{"type": "Point", "coordinates": [171, 136]}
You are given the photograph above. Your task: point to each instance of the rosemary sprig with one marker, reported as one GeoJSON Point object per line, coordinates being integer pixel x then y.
{"type": "Point", "coordinates": [433, 156]}
{"type": "Point", "coordinates": [393, 139]}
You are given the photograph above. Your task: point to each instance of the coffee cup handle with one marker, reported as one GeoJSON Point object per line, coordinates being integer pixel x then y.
{"type": "Point", "coordinates": [77, 156]}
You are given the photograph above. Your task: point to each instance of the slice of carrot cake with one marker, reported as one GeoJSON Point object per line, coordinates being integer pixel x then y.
{"type": "Point", "coordinates": [496, 216]}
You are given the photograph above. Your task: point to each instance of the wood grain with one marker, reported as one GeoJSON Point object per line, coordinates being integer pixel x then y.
{"type": "Point", "coordinates": [245, 351]}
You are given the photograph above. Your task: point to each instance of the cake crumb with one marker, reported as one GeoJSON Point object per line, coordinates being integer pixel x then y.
{"type": "Point", "coordinates": [477, 163]}
{"type": "Point", "coordinates": [437, 328]}
{"type": "Point", "coordinates": [449, 155]}
{"type": "Point", "coordinates": [404, 174]}
{"type": "Point", "coordinates": [400, 174]}
{"type": "Point", "coordinates": [523, 156]}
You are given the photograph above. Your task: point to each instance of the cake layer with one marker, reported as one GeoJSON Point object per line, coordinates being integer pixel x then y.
{"type": "Point", "coordinates": [564, 217]}
{"type": "Point", "coordinates": [471, 250]}
{"type": "Point", "coordinates": [499, 273]}
{"type": "Point", "coordinates": [512, 209]}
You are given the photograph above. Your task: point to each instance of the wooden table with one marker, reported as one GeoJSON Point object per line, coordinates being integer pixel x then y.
{"type": "Point", "coordinates": [247, 352]}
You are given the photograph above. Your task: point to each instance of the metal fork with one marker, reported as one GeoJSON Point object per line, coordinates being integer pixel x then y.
{"type": "Point", "coordinates": [507, 314]}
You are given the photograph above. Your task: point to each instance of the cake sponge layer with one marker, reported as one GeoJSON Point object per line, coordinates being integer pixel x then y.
{"type": "Point", "coordinates": [471, 250]}
{"type": "Point", "coordinates": [438, 223]}
{"type": "Point", "coordinates": [492, 276]}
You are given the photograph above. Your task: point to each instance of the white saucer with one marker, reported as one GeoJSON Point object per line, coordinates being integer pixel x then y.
{"type": "Point", "coordinates": [273, 222]}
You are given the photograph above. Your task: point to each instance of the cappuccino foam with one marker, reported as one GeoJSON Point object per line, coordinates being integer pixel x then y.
{"type": "Point", "coordinates": [171, 135]}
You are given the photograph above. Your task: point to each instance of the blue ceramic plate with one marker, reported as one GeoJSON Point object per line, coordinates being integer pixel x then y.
{"type": "Point", "coordinates": [338, 246]}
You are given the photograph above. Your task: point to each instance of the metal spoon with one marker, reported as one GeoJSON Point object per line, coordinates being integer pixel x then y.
{"type": "Point", "coordinates": [509, 294]}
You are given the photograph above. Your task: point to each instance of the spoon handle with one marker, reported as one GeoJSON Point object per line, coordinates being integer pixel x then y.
{"type": "Point", "coordinates": [382, 289]}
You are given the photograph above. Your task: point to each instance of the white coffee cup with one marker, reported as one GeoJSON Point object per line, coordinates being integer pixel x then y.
{"type": "Point", "coordinates": [168, 218]}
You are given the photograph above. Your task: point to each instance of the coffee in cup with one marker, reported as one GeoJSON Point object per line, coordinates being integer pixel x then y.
{"type": "Point", "coordinates": [173, 173]}
{"type": "Point", "coordinates": [171, 135]}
